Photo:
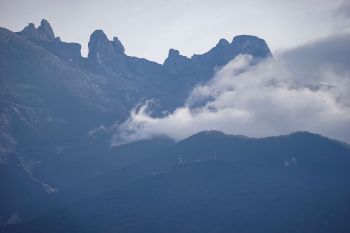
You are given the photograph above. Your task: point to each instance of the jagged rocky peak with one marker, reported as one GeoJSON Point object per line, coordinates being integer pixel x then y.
{"type": "Point", "coordinates": [173, 53]}
{"type": "Point", "coordinates": [43, 32]}
{"type": "Point", "coordinates": [29, 31]}
{"type": "Point", "coordinates": [204, 64]}
{"type": "Point", "coordinates": [98, 36]}
{"type": "Point", "coordinates": [223, 43]}
{"type": "Point", "coordinates": [217, 52]}
{"type": "Point", "coordinates": [101, 49]}
{"type": "Point", "coordinates": [118, 45]}
{"type": "Point", "coordinates": [176, 63]}
{"type": "Point", "coordinates": [253, 45]}
{"type": "Point", "coordinates": [174, 57]}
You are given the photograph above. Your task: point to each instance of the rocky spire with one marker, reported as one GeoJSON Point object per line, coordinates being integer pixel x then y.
{"type": "Point", "coordinates": [43, 32]}
{"type": "Point", "coordinates": [118, 45]}
{"type": "Point", "coordinates": [102, 50]}
{"type": "Point", "coordinates": [29, 31]}
{"type": "Point", "coordinates": [176, 62]}
{"type": "Point", "coordinates": [173, 53]}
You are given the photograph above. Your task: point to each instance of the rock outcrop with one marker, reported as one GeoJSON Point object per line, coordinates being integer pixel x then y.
{"type": "Point", "coordinates": [43, 32]}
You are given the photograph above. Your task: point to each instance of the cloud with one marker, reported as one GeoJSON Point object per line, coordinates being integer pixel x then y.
{"type": "Point", "coordinates": [305, 88]}
{"type": "Point", "coordinates": [341, 17]}
{"type": "Point", "coordinates": [343, 10]}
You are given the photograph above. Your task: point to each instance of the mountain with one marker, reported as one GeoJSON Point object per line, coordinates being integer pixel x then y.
{"type": "Point", "coordinates": [200, 68]}
{"type": "Point", "coordinates": [59, 173]}
{"type": "Point", "coordinates": [58, 110]}
{"type": "Point", "coordinates": [53, 80]}
{"type": "Point", "coordinates": [213, 182]}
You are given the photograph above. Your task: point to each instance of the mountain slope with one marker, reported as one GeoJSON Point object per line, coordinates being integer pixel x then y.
{"type": "Point", "coordinates": [59, 109]}
{"type": "Point", "coordinates": [292, 183]}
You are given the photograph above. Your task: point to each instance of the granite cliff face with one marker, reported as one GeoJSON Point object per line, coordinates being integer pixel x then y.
{"type": "Point", "coordinates": [57, 108]}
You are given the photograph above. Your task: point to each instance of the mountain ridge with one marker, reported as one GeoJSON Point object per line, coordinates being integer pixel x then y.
{"type": "Point", "coordinates": [45, 32]}
{"type": "Point", "coordinates": [206, 193]}
{"type": "Point", "coordinates": [58, 111]}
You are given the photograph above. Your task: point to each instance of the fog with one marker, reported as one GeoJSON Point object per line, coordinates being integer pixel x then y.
{"type": "Point", "coordinates": [306, 88]}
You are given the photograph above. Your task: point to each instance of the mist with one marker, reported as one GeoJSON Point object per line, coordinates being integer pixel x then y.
{"type": "Point", "coordinates": [302, 89]}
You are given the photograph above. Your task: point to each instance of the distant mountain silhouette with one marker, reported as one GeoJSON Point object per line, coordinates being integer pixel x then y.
{"type": "Point", "coordinates": [223, 183]}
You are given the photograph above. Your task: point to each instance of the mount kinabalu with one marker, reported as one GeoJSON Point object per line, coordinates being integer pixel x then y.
{"type": "Point", "coordinates": [56, 107]}
{"type": "Point", "coordinates": [46, 80]}
{"type": "Point", "coordinates": [52, 99]}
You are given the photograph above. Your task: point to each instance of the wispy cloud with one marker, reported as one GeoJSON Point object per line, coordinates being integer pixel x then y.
{"type": "Point", "coordinates": [306, 88]}
{"type": "Point", "coordinates": [343, 12]}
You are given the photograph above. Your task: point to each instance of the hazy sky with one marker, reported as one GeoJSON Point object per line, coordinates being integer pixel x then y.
{"type": "Point", "coordinates": [149, 28]}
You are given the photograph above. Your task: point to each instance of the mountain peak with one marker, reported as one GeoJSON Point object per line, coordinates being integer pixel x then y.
{"type": "Point", "coordinates": [245, 38]}
{"type": "Point", "coordinates": [43, 32]}
{"type": "Point", "coordinates": [175, 62]}
{"type": "Point", "coordinates": [222, 42]}
{"type": "Point", "coordinates": [46, 30]}
{"type": "Point", "coordinates": [253, 45]}
{"type": "Point", "coordinates": [118, 45]}
{"type": "Point", "coordinates": [98, 34]}
{"type": "Point", "coordinates": [173, 53]}
{"type": "Point", "coordinates": [29, 31]}
{"type": "Point", "coordinates": [31, 26]}
{"type": "Point", "coordinates": [102, 50]}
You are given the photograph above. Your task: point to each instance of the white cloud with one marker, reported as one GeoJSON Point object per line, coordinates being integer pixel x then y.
{"type": "Point", "coordinates": [306, 88]}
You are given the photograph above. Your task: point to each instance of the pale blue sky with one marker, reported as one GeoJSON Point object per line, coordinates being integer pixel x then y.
{"type": "Point", "coordinates": [149, 28]}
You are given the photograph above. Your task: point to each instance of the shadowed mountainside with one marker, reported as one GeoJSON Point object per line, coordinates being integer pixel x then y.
{"type": "Point", "coordinates": [212, 182]}
{"type": "Point", "coordinates": [58, 109]}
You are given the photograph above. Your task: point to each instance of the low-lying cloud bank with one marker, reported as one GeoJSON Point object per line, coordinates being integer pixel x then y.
{"type": "Point", "coordinates": [306, 88]}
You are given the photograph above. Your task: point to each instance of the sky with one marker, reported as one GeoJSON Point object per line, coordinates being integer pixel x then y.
{"type": "Point", "coordinates": [149, 28]}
